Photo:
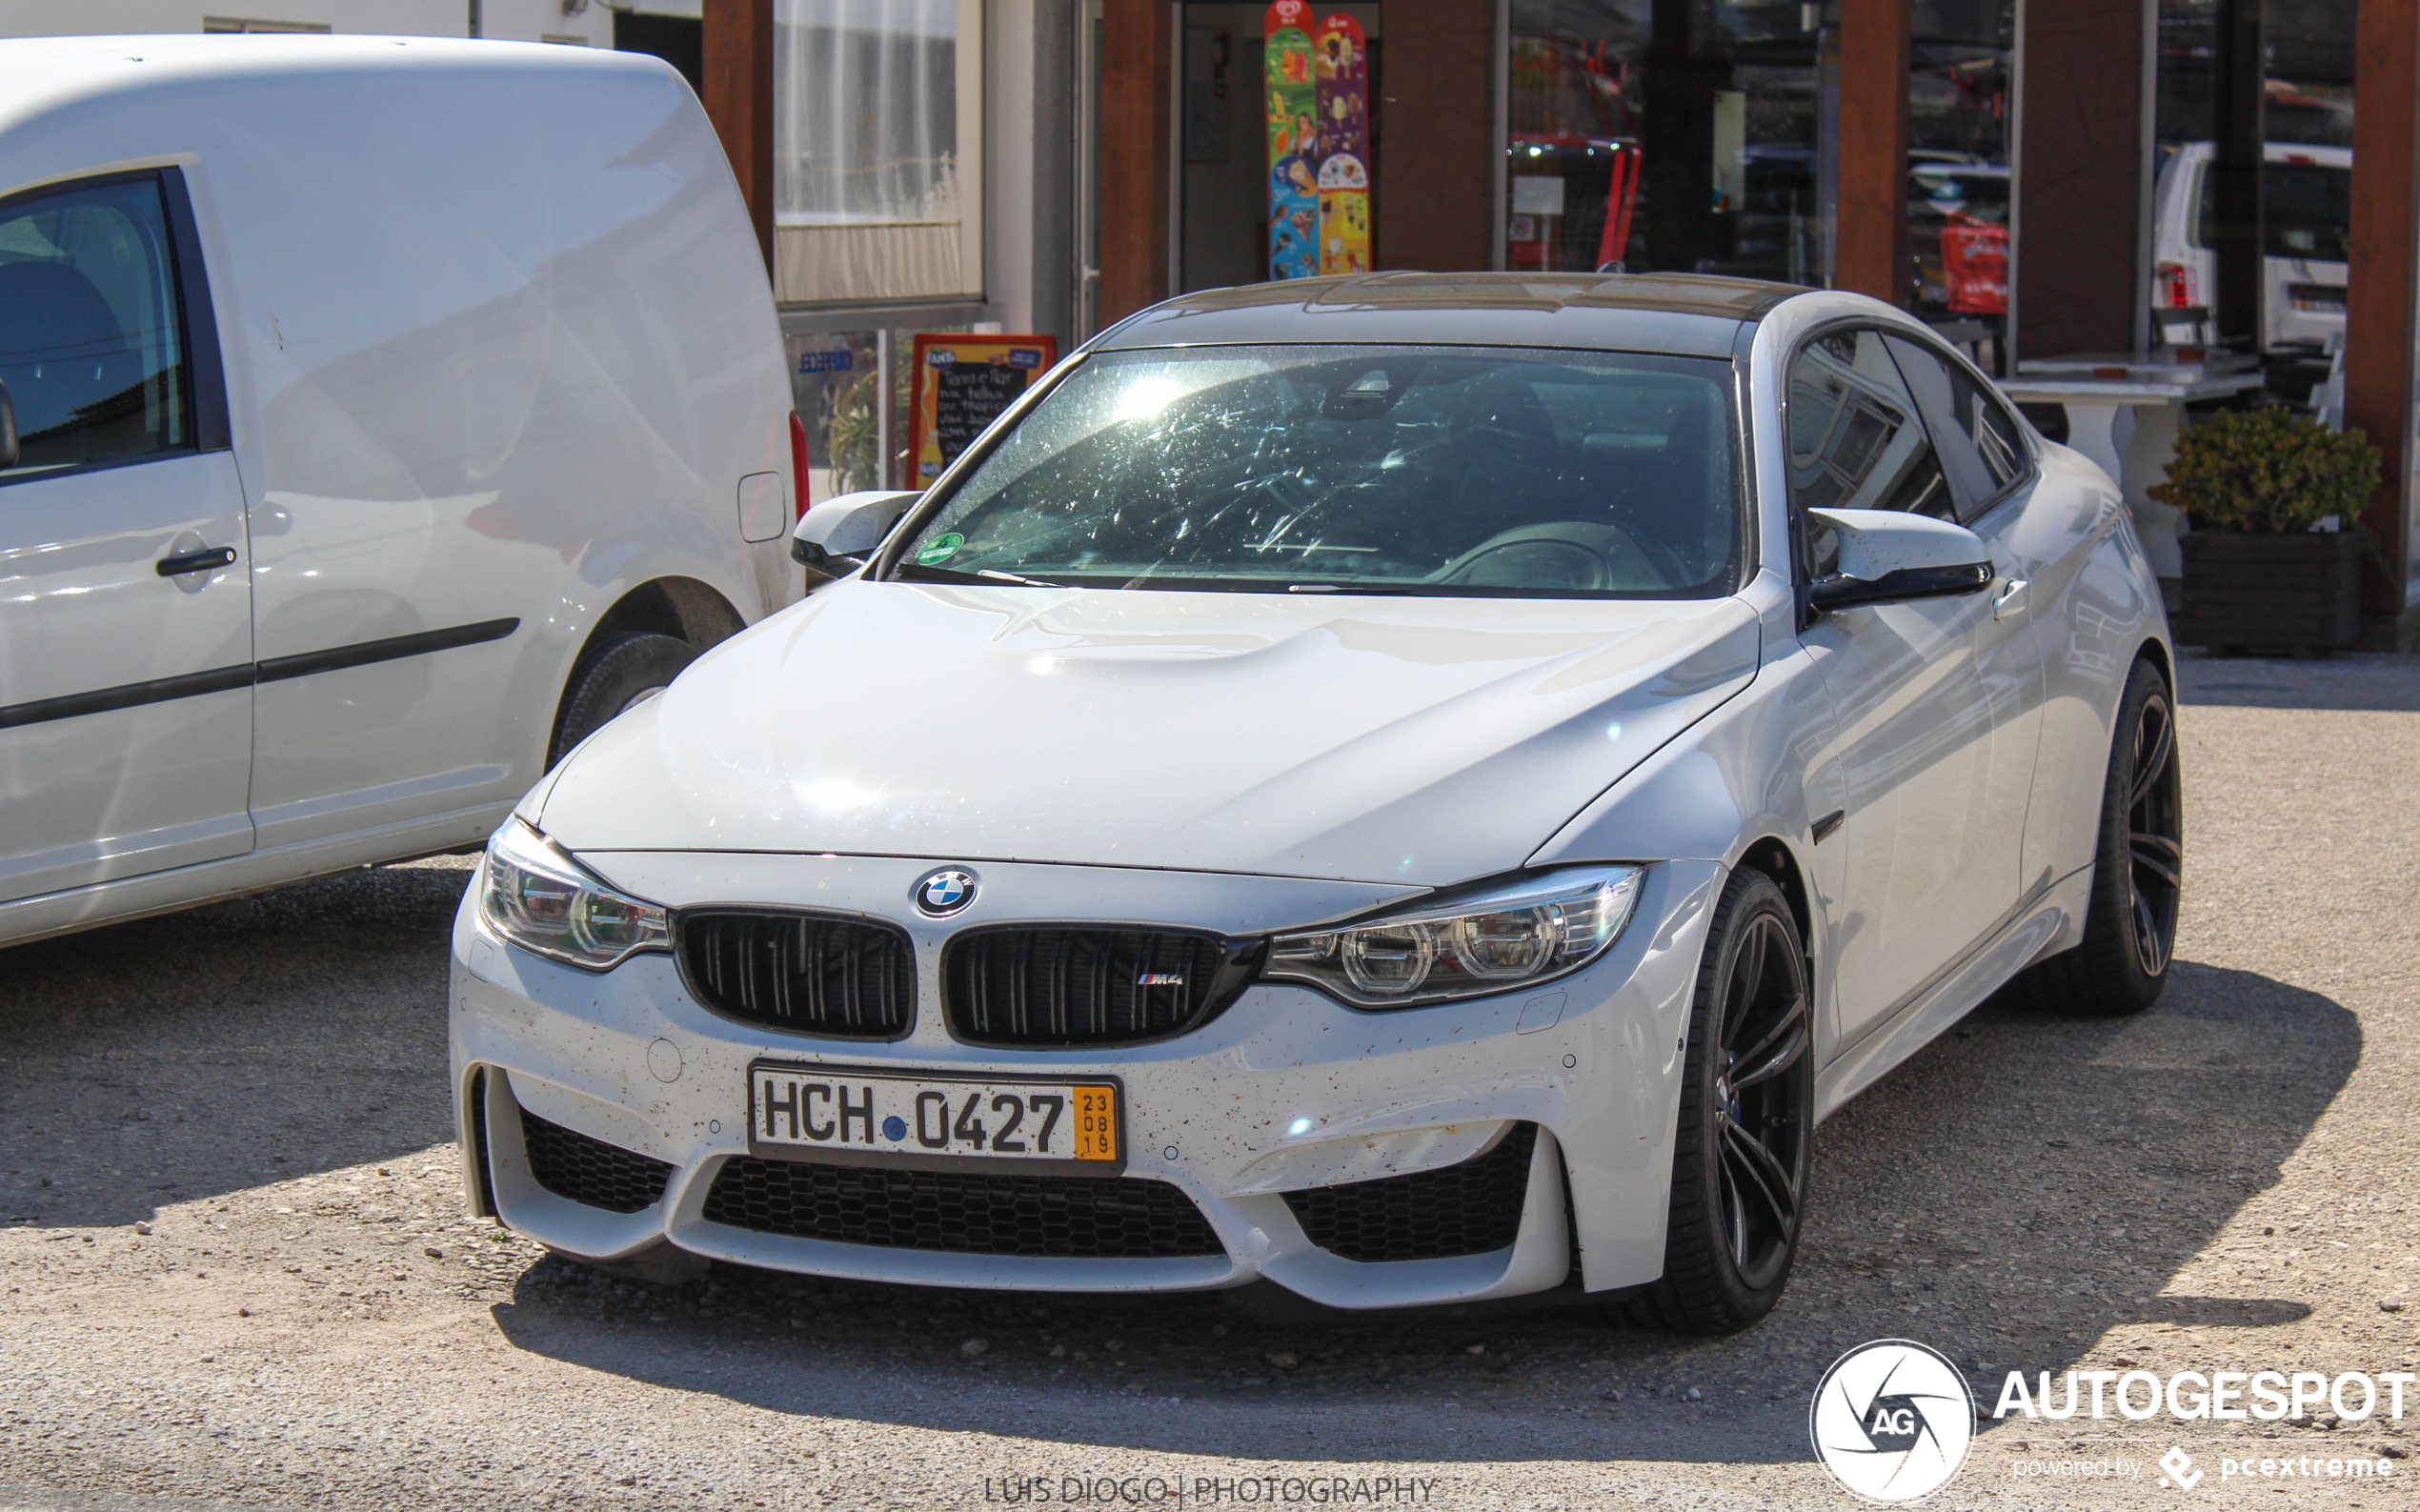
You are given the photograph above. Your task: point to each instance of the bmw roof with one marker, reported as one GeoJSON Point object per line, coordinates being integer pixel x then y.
{"type": "Point", "coordinates": [1690, 314]}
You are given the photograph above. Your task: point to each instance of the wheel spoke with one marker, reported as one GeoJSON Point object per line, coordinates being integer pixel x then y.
{"type": "Point", "coordinates": [2149, 766]}
{"type": "Point", "coordinates": [2150, 941]}
{"type": "Point", "coordinates": [2148, 856]}
{"type": "Point", "coordinates": [1747, 975]}
{"type": "Point", "coordinates": [1775, 1053]}
{"type": "Point", "coordinates": [1734, 1212]}
{"type": "Point", "coordinates": [1764, 1177]}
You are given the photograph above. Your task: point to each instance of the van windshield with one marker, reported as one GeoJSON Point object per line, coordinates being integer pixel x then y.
{"type": "Point", "coordinates": [1426, 471]}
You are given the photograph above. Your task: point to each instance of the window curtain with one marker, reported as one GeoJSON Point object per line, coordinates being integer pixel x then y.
{"type": "Point", "coordinates": [873, 196]}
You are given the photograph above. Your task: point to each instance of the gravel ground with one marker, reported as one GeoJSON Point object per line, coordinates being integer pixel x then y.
{"type": "Point", "coordinates": [234, 1268]}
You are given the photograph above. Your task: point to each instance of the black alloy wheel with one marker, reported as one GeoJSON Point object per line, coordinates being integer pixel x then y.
{"type": "Point", "coordinates": [2138, 870]}
{"type": "Point", "coordinates": [2154, 834]}
{"type": "Point", "coordinates": [1740, 1153]}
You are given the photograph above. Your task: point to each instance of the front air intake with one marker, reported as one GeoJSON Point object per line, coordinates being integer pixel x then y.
{"type": "Point", "coordinates": [1472, 1208]}
{"type": "Point", "coordinates": [808, 973]}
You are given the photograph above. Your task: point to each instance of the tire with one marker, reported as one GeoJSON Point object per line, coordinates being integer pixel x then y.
{"type": "Point", "coordinates": [2129, 923]}
{"type": "Point", "coordinates": [618, 672]}
{"type": "Point", "coordinates": [1740, 1153]}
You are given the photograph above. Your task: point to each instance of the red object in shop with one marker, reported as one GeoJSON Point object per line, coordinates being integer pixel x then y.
{"type": "Point", "coordinates": [1975, 263]}
{"type": "Point", "coordinates": [1620, 197]}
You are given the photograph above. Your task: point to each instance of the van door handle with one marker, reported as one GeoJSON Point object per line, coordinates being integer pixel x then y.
{"type": "Point", "coordinates": [2012, 599]}
{"type": "Point", "coordinates": [184, 562]}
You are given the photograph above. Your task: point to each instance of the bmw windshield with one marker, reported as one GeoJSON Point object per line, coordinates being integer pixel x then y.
{"type": "Point", "coordinates": [1428, 471]}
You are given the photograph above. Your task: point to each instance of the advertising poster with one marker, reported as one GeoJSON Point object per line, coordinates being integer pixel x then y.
{"type": "Point", "coordinates": [1339, 55]}
{"type": "Point", "coordinates": [1294, 144]}
{"type": "Point", "coordinates": [961, 385]}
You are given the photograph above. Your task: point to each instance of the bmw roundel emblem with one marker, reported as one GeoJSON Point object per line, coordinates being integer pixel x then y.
{"type": "Point", "coordinates": [945, 892]}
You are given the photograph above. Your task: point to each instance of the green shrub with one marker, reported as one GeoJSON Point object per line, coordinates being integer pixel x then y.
{"type": "Point", "coordinates": [2269, 471]}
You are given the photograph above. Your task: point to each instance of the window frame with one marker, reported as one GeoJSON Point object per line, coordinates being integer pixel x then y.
{"type": "Point", "coordinates": [197, 321]}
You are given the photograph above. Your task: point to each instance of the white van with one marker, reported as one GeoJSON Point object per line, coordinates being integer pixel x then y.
{"type": "Point", "coordinates": [382, 414]}
{"type": "Point", "coordinates": [2307, 224]}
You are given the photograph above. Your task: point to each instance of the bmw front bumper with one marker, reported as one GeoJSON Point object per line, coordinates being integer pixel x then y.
{"type": "Point", "coordinates": [1286, 1091]}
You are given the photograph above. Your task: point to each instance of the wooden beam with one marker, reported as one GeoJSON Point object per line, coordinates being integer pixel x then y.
{"type": "Point", "coordinates": [1434, 204]}
{"type": "Point", "coordinates": [737, 36]}
{"type": "Point", "coordinates": [1137, 42]}
{"type": "Point", "coordinates": [2378, 302]}
{"type": "Point", "coordinates": [2083, 177]}
{"type": "Point", "coordinates": [1872, 257]}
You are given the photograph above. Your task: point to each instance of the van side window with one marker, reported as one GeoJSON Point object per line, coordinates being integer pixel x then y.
{"type": "Point", "coordinates": [91, 342]}
{"type": "Point", "coordinates": [1855, 438]}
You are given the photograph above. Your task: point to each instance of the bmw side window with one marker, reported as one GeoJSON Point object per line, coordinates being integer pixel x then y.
{"type": "Point", "coordinates": [1856, 440]}
{"type": "Point", "coordinates": [92, 344]}
{"type": "Point", "coordinates": [1977, 441]}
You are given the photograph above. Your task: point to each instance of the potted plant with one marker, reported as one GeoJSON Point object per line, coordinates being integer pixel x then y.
{"type": "Point", "coordinates": [2258, 571]}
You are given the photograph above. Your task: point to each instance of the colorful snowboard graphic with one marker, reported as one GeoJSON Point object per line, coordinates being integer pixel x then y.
{"type": "Point", "coordinates": [1294, 197]}
{"type": "Point", "coordinates": [1339, 55]}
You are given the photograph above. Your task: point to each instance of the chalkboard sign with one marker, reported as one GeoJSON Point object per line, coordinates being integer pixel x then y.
{"type": "Point", "coordinates": [968, 397]}
{"type": "Point", "coordinates": [961, 385]}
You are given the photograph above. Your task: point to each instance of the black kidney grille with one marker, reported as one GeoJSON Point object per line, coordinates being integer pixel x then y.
{"type": "Point", "coordinates": [1050, 986]}
{"type": "Point", "coordinates": [1466, 1209]}
{"type": "Point", "coordinates": [1043, 1217]}
{"type": "Point", "coordinates": [807, 972]}
{"type": "Point", "coordinates": [572, 1165]}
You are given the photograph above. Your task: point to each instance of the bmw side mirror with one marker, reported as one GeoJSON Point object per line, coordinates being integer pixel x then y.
{"type": "Point", "coordinates": [837, 535]}
{"type": "Point", "coordinates": [1886, 557]}
{"type": "Point", "coordinates": [8, 448]}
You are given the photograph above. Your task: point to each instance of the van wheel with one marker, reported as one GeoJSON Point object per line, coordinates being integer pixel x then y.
{"type": "Point", "coordinates": [1747, 1129]}
{"type": "Point", "coordinates": [618, 673]}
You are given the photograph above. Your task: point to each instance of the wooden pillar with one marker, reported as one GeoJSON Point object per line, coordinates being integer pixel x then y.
{"type": "Point", "coordinates": [2081, 165]}
{"type": "Point", "coordinates": [1872, 257]}
{"type": "Point", "coordinates": [737, 36]}
{"type": "Point", "coordinates": [1435, 201]}
{"type": "Point", "coordinates": [2378, 303]}
{"type": "Point", "coordinates": [1138, 157]}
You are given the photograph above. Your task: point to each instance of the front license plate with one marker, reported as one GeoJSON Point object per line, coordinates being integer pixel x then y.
{"type": "Point", "coordinates": [857, 1117]}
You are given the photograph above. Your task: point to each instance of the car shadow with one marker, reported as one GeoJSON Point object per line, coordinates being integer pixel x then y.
{"type": "Point", "coordinates": [2017, 1190]}
{"type": "Point", "coordinates": [176, 1059]}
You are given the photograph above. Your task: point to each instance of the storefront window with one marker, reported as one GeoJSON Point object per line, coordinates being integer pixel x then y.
{"type": "Point", "coordinates": [878, 149]}
{"type": "Point", "coordinates": [1696, 135]}
{"type": "Point", "coordinates": [836, 380]}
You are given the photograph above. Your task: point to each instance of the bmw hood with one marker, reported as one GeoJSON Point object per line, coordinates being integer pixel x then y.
{"type": "Point", "coordinates": [1415, 741]}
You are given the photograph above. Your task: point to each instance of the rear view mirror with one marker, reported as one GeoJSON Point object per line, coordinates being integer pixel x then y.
{"type": "Point", "coordinates": [837, 535]}
{"type": "Point", "coordinates": [1884, 556]}
{"type": "Point", "coordinates": [8, 429]}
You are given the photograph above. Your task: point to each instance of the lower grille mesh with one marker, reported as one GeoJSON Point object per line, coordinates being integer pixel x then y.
{"type": "Point", "coordinates": [807, 972]}
{"type": "Point", "coordinates": [1466, 1209]}
{"type": "Point", "coordinates": [572, 1165]}
{"type": "Point", "coordinates": [1042, 1216]}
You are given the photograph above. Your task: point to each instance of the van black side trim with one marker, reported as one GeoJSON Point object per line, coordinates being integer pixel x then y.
{"type": "Point", "coordinates": [395, 647]}
{"type": "Point", "coordinates": [276, 668]}
{"type": "Point", "coordinates": [127, 696]}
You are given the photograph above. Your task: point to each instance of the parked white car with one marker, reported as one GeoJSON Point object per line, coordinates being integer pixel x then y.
{"type": "Point", "coordinates": [2307, 228]}
{"type": "Point", "coordinates": [1418, 787]}
{"type": "Point", "coordinates": [386, 413]}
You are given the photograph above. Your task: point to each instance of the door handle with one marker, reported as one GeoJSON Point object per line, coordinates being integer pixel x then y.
{"type": "Point", "coordinates": [183, 562]}
{"type": "Point", "coordinates": [2012, 599]}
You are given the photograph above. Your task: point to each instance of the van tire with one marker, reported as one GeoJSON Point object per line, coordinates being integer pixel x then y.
{"type": "Point", "coordinates": [618, 672]}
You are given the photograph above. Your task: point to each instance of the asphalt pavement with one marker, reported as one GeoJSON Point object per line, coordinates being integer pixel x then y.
{"type": "Point", "coordinates": [235, 1268]}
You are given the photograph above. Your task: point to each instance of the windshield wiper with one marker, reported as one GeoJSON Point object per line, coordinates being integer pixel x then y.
{"type": "Point", "coordinates": [1400, 589]}
{"type": "Point", "coordinates": [982, 575]}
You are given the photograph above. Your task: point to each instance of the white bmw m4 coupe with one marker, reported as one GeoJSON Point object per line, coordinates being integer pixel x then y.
{"type": "Point", "coordinates": [1415, 788]}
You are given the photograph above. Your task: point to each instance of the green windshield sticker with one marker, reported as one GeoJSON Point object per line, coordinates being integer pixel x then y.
{"type": "Point", "coordinates": [940, 549]}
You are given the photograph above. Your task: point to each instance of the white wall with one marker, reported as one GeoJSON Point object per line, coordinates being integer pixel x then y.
{"type": "Point", "coordinates": [516, 20]}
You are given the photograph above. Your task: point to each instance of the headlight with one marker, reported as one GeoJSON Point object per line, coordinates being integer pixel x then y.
{"type": "Point", "coordinates": [542, 900]}
{"type": "Point", "coordinates": [1511, 936]}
